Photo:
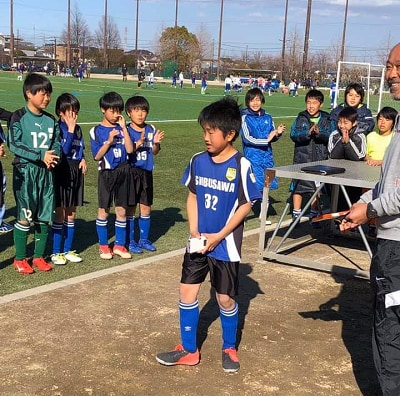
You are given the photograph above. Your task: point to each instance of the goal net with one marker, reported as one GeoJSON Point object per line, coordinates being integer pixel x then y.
{"type": "Point", "coordinates": [372, 78]}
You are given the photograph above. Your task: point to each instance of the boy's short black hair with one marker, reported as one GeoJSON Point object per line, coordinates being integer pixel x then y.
{"type": "Point", "coordinates": [357, 87]}
{"type": "Point", "coordinates": [315, 94]}
{"type": "Point", "coordinates": [137, 102]}
{"type": "Point", "coordinates": [224, 115]}
{"type": "Point", "coordinates": [35, 83]}
{"type": "Point", "coordinates": [389, 113]}
{"type": "Point", "coordinates": [254, 93]}
{"type": "Point", "coordinates": [348, 113]}
{"type": "Point", "coordinates": [112, 100]}
{"type": "Point", "coordinates": [65, 102]}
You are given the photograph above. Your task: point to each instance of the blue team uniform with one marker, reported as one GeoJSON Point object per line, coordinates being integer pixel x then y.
{"type": "Point", "coordinates": [220, 189]}
{"type": "Point", "coordinates": [116, 155]}
{"type": "Point", "coordinates": [254, 132]}
{"type": "Point", "coordinates": [72, 144]}
{"type": "Point", "coordinates": [143, 157]}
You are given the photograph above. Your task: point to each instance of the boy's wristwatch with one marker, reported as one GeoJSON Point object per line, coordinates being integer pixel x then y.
{"type": "Point", "coordinates": [371, 212]}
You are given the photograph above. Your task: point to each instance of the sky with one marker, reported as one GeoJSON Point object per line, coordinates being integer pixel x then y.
{"type": "Point", "coordinates": [248, 26]}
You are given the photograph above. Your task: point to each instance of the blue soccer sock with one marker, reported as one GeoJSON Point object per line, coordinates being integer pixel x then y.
{"type": "Point", "coordinates": [189, 318]}
{"type": "Point", "coordinates": [229, 324]}
{"type": "Point", "coordinates": [57, 231]}
{"type": "Point", "coordinates": [144, 225]}
{"type": "Point", "coordinates": [120, 232]}
{"type": "Point", "coordinates": [101, 227]}
{"type": "Point", "coordinates": [69, 232]}
{"type": "Point", "coordinates": [130, 229]}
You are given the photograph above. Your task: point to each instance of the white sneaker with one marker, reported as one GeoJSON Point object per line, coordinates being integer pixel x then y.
{"type": "Point", "coordinates": [73, 257]}
{"type": "Point", "coordinates": [58, 259]}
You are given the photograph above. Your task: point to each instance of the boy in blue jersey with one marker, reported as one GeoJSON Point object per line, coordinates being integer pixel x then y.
{"type": "Point", "coordinates": [146, 143]}
{"type": "Point", "coordinates": [111, 144]}
{"type": "Point", "coordinates": [69, 181]}
{"type": "Point", "coordinates": [222, 189]}
{"type": "Point", "coordinates": [33, 137]}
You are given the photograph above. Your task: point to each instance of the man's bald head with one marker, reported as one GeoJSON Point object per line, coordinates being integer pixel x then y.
{"type": "Point", "coordinates": [393, 72]}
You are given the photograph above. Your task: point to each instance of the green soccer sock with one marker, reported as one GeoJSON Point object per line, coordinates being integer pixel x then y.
{"type": "Point", "coordinates": [41, 232]}
{"type": "Point", "coordinates": [20, 240]}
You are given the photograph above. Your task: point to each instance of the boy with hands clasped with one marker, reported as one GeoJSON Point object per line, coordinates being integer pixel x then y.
{"type": "Point", "coordinates": [111, 144]}
{"type": "Point", "coordinates": [146, 143]}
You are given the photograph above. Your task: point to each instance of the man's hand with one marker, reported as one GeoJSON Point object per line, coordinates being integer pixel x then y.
{"type": "Point", "coordinates": [356, 217]}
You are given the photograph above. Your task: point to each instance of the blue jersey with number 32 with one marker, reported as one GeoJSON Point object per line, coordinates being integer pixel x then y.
{"type": "Point", "coordinates": [220, 189]}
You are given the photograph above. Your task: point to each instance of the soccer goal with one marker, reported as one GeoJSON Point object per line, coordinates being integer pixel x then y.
{"type": "Point", "coordinates": [372, 78]}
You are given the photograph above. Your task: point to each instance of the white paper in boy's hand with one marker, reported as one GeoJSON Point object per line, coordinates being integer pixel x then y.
{"type": "Point", "coordinates": [197, 244]}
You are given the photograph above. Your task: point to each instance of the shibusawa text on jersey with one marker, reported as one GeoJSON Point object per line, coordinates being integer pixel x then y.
{"type": "Point", "coordinates": [215, 184]}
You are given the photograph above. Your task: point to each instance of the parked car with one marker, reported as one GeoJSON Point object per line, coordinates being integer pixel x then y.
{"type": "Point", "coordinates": [5, 67]}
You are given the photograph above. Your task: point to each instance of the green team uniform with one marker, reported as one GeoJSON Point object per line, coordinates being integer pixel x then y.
{"type": "Point", "coordinates": [30, 136]}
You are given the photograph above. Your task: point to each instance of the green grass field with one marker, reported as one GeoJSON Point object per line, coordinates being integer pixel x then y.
{"type": "Point", "coordinates": [173, 110]}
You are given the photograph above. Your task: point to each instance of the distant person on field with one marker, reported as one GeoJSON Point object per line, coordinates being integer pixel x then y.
{"type": "Point", "coordinates": [354, 96]}
{"type": "Point", "coordinates": [80, 72]}
{"type": "Point", "coordinates": [146, 143]}
{"type": "Point", "coordinates": [141, 78]}
{"type": "Point", "coordinates": [258, 132]}
{"type": "Point", "coordinates": [181, 79]}
{"type": "Point", "coordinates": [111, 144]}
{"type": "Point", "coordinates": [124, 71]}
{"type": "Point", "coordinates": [68, 180]}
{"type": "Point", "coordinates": [332, 92]}
{"type": "Point", "coordinates": [34, 138]}
{"type": "Point", "coordinates": [217, 214]}
{"type": "Point", "coordinates": [292, 88]}
{"type": "Point", "coordinates": [228, 84]}
{"type": "Point", "coordinates": [204, 82]}
{"type": "Point", "coordinates": [310, 133]}
{"type": "Point", "coordinates": [4, 227]}
{"type": "Point", "coordinates": [377, 142]}
{"type": "Point", "coordinates": [193, 79]}
{"type": "Point", "coordinates": [88, 69]}
{"type": "Point", "coordinates": [174, 78]}
{"type": "Point", "coordinates": [150, 82]}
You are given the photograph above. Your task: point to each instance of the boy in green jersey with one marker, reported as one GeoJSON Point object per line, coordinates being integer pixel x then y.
{"type": "Point", "coordinates": [34, 138]}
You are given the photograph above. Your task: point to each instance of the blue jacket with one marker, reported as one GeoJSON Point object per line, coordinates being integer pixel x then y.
{"type": "Point", "coordinates": [255, 130]}
{"type": "Point", "coordinates": [365, 119]}
{"type": "Point", "coordinates": [309, 148]}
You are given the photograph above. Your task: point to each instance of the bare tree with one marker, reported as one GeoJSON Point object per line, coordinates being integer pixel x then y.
{"type": "Point", "coordinates": [80, 33]}
{"type": "Point", "coordinates": [257, 60]}
{"type": "Point", "coordinates": [206, 44]}
{"type": "Point", "coordinates": [384, 48]}
{"type": "Point", "coordinates": [114, 52]}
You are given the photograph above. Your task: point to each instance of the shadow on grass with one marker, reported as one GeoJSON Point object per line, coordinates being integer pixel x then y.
{"type": "Point", "coordinates": [163, 220]}
{"type": "Point", "coordinates": [248, 289]}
